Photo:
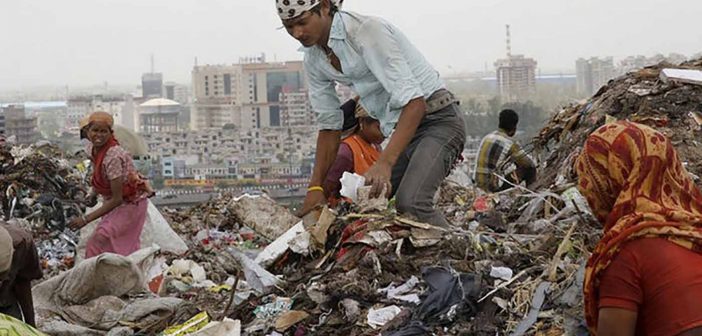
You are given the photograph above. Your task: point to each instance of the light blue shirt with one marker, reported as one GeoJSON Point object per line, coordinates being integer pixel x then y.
{"type": "Point", "coordinates": [379, 63]}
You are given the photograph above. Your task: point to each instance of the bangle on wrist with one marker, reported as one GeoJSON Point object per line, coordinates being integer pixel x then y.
{"type": "Point", "coordinates": [315, 188]}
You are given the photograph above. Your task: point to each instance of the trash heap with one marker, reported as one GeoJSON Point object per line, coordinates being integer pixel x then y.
{"type": "Point", "coordinates": [253, 267]}
{"type": "Point", "coordinates": [353, 273]}
{"type": "Point", "coordinates": [42, 191]}
{"type": "Point", "coordinates": [245, 223]}
{"type": "Point", "coordinates": [512, 263]}
{"type": "Point", "coordinates": [658, 96]}
{"type": "Point", "coordinates": [152, 291]}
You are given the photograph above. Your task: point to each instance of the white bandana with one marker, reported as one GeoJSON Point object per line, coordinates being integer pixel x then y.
{"type": "Point", "coordinates": [290, 9]}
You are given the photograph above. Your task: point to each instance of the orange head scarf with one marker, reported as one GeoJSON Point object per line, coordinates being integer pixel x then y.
{"type": "Point", "coordinates": [100, 117]}
{"type": "Point", "coordinates": [637, 187]}
{"type": "Point", "coordinates": [100, 183]}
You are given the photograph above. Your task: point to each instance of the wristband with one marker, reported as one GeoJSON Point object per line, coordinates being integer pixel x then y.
{"type": "Point", "coordinates": [315, 188]}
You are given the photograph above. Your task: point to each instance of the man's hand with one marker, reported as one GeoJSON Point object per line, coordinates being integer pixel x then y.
{"type": "Point", "coordinates": [77, 223]}
{"type": "Point", "coordinates": [312, 200]}
{"type": "Point", "coordinates": [378, 176]}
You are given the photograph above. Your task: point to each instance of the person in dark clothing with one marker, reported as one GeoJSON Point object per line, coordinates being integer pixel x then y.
{"type": "Point", "coordinates": [20, 265]}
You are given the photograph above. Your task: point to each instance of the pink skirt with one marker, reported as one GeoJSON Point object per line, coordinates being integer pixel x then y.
{"type": "Point", "coordinates": [119, 230]}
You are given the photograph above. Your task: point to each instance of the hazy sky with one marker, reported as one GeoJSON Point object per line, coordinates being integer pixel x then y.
{"type": "Point", "coordinates": [83, 42]}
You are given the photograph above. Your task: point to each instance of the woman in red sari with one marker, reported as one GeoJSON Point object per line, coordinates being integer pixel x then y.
{"type": "Point", "coordinates": [123, 212]}
{"type": "Point", "coordinates": [645, 275]}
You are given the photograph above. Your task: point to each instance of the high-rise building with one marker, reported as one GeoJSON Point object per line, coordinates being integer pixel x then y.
{"type": "Point", "coordinates": [583, 77]}
{"type": "Point", "coordinates": [632, 63]}
{"type": "Point", "coordinates": [120, 107]}
{"type": "Point", "coordinates": [176, 92]}
{"type": "Point", "coordinates": [20, 126]}
{"type": "Point", "coordinates": [78, 107]}
{"type": "Point", "coordinates": [169, 90]}
{"type": "Point", "coordinates": [676, 59]}
{"type": "Point", "coordinates": [516, 78]}
{"type": "Point", "coordinates": [246, 94]}
{"type": "Point", "coordinates": [602, 72]}
{"type": "Point", "coordinates": [296, 109]}
{"type": "Point", "coordinates": [592, 74]}
{"type": "Point", "coordinates": [152, 85]}
{"type": "Point", "coordinates": [516, 75]}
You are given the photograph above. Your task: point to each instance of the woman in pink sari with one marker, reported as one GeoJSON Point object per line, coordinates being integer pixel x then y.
{"type": "Point", "coordinates": [123, 212]}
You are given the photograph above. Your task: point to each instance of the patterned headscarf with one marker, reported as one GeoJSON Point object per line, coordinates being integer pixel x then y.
{"type": "Point", "coordinates": [290, 9]}
{"type": "Point", "coordinates": [638, 188]}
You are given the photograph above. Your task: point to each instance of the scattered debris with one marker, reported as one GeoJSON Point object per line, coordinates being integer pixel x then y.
{"type": "Point", "coordinates": [536, 304]}
{"type": "Point", "coordinates": [682, 76]}
{"type": "Point", "coordinates": [262, 214]}
{"type": "Point", "coordinates": [42, 191]}
{"type": "Point", "coordinates": [504, 273]}
{"type": "Point", "coordinates": [227, 327]}
{"type": "Point", "coordinates": [195, 324]}
{"type": "Point", "coordinates": [511, 263]}
{"type": "Point", "coordinates": [289, 319]}
{"type": "Point", "coordinates": [350, 183]}
{"type": "Point", "coordinates": [379, 317]}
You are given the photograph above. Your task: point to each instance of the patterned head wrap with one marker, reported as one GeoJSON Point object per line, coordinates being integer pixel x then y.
{"type": "Point", "coordinates": [101, 117]}
{"type": "Point", "coordinates": [637, 187]}
{"type": "Point", "coordinates": [290, 9]}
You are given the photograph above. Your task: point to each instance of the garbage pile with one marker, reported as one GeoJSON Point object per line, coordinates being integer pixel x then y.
{"type": "Point", "coordinates": [665, 97]}
{"type": "Point", "coordinates": [512, 263]}
{"type": "Point", "coordinates": [350, 271]}
{"type": "Point", "coordinates": [42, 192]}
{"type": "Point", "coordinates": [354, 273]}
{"type": "Point", "coordinates": [245, 223]}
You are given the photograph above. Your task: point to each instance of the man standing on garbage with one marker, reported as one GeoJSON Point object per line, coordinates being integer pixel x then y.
{"type": "Point", "coordinates": [497, 150]}
{"type": "Point", "coordinates": [19, 265]}
{"type": "Point", "coordinates": [396, 85]}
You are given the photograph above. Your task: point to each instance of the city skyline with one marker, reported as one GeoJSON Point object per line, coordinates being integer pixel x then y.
{"type": "Point", "coordinates": [111, 41]}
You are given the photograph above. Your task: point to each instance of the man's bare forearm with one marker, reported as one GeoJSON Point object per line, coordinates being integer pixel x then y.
{"type": "Point", "coordinates": [327, 147]}
{"type": "Point", "coordinates": [410, 118]}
